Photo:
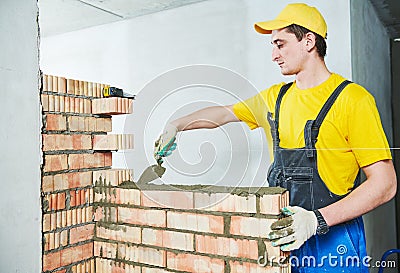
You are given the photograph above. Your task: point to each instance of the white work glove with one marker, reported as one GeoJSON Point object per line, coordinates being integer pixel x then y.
{"type": "Point", "coordinates": [165, 144]}
{"type": "Point", "coordinates": [292, 231]}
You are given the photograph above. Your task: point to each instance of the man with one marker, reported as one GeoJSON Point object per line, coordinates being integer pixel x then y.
{"type": "Point", "coordinates": [319, 116]}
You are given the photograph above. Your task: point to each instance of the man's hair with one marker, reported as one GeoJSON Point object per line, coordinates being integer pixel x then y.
{"type": "Point", "coordinates": [300, 32]}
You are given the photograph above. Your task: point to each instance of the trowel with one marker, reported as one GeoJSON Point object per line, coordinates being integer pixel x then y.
{"type": "Point", "coordinates": [151, 173]}
{"type": "Point", "coordinates": [156, 171]}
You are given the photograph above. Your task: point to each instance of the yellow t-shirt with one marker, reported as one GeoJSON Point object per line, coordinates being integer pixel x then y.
{"type": "Point", "coordinates": [351, 135]}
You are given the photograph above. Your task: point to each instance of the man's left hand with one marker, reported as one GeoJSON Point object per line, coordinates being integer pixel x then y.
{"type": "Point", "coordinates": [292, 231]}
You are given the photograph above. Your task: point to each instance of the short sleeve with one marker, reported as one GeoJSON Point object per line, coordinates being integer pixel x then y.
{"type": "Point", "coordinates": [254, 110]}
{"type": "Point", "coordinates": [367, 138]}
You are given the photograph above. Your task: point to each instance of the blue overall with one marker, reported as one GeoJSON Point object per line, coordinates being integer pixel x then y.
{"type": "Point", "coordinates": [342, 249]}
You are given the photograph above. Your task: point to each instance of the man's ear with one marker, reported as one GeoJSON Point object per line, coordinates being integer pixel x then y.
{"type": "Point", "coordinates": [309, 39]}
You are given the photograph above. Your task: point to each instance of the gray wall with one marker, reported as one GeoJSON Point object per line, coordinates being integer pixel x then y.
{"type": "Point", "coordinates": [371, 68]}
{"type": "Point", "coordinates": [20, 216]}
{"type": "Point", "coordinates": [144, 56]}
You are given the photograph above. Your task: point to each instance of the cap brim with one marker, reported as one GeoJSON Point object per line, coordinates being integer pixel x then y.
{"type": "Point", "coordinates": [268, 26]}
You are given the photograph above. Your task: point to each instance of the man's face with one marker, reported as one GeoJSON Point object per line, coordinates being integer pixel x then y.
{"type": "Point", "coordinates": [288, 52]}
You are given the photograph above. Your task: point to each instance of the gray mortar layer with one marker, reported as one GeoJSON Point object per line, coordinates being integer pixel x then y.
{"type": "Point", "coordinates": [241, 191]}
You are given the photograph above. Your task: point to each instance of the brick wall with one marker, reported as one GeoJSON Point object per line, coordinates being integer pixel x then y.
{"type": "Point", "coordinates": [184, 229]}
{"type": "Point", "coordinates": [96, 220]}
{"type": "Point", "coordinates": [75, 145]}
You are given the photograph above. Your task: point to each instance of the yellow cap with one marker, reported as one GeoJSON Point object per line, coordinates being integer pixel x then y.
{"type": "Point", "coordinates": [299, 14]}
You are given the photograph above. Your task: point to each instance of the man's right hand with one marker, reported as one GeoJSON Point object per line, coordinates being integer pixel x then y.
{"type": "Point", "coordinates": [165, 144]}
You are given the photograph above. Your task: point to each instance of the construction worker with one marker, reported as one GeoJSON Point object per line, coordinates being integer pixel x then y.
{"type": "Point", "coordinates": [323, 130]}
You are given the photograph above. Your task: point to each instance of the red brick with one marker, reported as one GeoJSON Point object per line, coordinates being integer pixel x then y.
{"type": "Point", "coordinates": [46, 222]}
{"type": "Point", "coordinates": [108, 159]}
{"type": "Point", "coordinates": [61, 200]}
{"type": "Point", "coordinates": [225, 202]}
{"type": "Point", "coordinates": [167, 199]}
{"type": "Point", "coordinates": [82, 233]}
{"type": "Point", "coordinates": [250, 226]}
{"type": "Point", "coordinates": [169, 239]}
{"type": "Point", "coordinates": [56, 122]}
{"type": "Point", "coordinates": [195, 222]}
{"type": "Point", "coordinates": [80, 161]}
{"type": "Point", "coordinates": [81, 142]}
{"type": "Point", "coordinates": [120, 233]}
{"type": "Point", "coordinates": [79, 179]}
{"type": "Point", "coordinates": [194, 263]}
{"type": "Point", "coordinates": [55, 163]}
{"type": "Point", "coordinates": [47, 183]}
{"type": "Point", "coordinates": [271, 204]}
{"type": "Point", "coordinates": [51, 261]}
{"type": "Point", "coordinates": [145, 255]}
{"type": "Point", "coordinates": [229, 247]}
{"type": "Point", "coordinates": [76, 254]}
{"type": "Point", "coordinates": [141, 216]}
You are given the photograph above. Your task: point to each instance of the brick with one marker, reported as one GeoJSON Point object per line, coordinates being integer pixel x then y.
{"type": "Point", "coordinates": [108, 159]}
{"type": "Point", "coordinates": [106, 214]}
{"type": "Point", "coordinates": [51, 240]}
{"type": "Point", "coordinates": [230, 247]}
{"type": "Point", "coordinates": [142, 217]}
{"type": "Point", "coordinates": [146, 255]}
{"type": "Point", "coordinates": [76, 123]}
{"type": "Point", "coordinates": [50, 83]}
{"type": "Point", "coordinates": [128, 196]}
{"type": "Point", "coordinates": [112, 177]}
{"type": "Point", "coordinates": [120, 233]}
{"type": "Point", "coordinates": [105, 142]}
{"type": "Point", "coordinates": [46, 224]}
{"type": "Point", "coordinates": [112, 142]}
{"type": "Point", "coordinates": [44, 82]}
{"type": "Point", "coordinates": [45, 102]}
{"type": "Point", "coordinates": [60, 200]}
{"type": "Point", "coordinates": [250, 226]}
{"type": "Point", "coordinates": [225, 202]}
{"type": "Point", "coordinates": [82, 233]}
{"type": "Point", "coordinates": [64, 238]}
{"type": "Point", "coordinates": [55, 122]}
{"type": "Point", "coordinates": [168, 239]}
{"type": "Point", "coordinates": [167, 199]}
{"type": "Point", "coordinates": [112, 106]}
{"type": "Point", "coordinates": [51, 261]}
{"type": "Point", "coordinates": [56, 103]}
{"type": "Point", "coordinates": [76, 254]}
{"type": "Point", "coordinates": [55, 163]}
{"type": "Point", "coordinates": [195, 222]}
{"type": "Point", "coordinates": [81, 161]}
{"type": "Point", "coordinates": [81, 142]}
{"type": "Point", "coordinates": [271, 204]}
{"type": "Point", "coordinates": [194, 263]}
{"type": "Point", "coordinates": [62, 85]}
{"type": "Point", "coordinates": [55, 84]}
{"type": "Point", "coordinates": [70, 86]}
{"type": "Point", "coordinates": [47, 183]}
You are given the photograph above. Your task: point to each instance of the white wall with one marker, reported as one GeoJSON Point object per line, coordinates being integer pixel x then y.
{"type": "Point", "coordinates": [136, 54]}
{"type": "Point", "coordinates": [20, 210]}
{"type": "Point", "coordinates": [372, 69]}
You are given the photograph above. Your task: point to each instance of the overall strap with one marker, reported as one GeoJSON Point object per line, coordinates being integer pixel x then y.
{"type": "Point", "coordinates": [311, 129]}
{"type": "Point", "coordinates": [274, 123]}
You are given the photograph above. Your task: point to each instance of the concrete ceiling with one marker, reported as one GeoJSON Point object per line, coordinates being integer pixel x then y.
{"type": "Point", "coordinates": [60, 16]}
{"type": "Point", "coordinates": [389, 13]}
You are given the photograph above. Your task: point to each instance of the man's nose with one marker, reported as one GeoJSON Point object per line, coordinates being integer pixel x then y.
{"type": "Point", "coordinates": [275, 54]}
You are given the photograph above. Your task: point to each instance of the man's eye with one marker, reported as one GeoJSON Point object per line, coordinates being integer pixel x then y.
{"type": "Point", "coordinates": [279, 46]}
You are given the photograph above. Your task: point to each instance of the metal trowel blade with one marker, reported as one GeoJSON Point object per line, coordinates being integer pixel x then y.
{"type": "Point", "coordinates": [151, 173]}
